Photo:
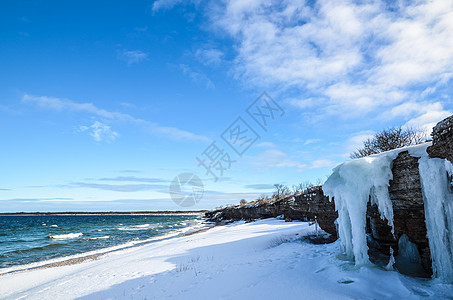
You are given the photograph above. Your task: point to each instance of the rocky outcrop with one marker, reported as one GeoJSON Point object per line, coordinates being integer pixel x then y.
{"type": "Point", "coordinates": [407, 199]}
{"type": "Point", "coordinates": [408, 212]}
{"type": "Point", "coordinates": [313, 205]}
{"type": "Point", "coordinates": [309, 205]}
{"type": "Point", "coordinates": [408, 209]}
{"type": "Point", "coordinates": [442, 140]}
{"type": "Point", "coordinates": [405, 193]}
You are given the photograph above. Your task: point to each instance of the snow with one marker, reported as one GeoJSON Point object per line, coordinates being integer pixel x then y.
{"type": "Point", "coordinates": [354, 182]}
{"type": "Point", "coordinates": [258, 260]}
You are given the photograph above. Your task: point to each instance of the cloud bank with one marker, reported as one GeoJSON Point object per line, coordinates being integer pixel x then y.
{"type": "Point", "coordinates": [98, 130]}
{"type": "Point", "coordinates": [345, 58]}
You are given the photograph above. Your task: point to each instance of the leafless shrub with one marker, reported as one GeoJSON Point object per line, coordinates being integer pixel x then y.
{"type": "Point", "coordinates": [299, 188]}
{"type": "Point", "coordinates": [281, 190]}
{"type": "Point", "coordinates": [263, 197]}
{"type": "Point", "coordinates": [389, 139]}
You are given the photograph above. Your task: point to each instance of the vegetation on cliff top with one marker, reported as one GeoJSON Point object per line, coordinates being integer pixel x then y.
{"type": "Point", "coordinates": [389, 139]}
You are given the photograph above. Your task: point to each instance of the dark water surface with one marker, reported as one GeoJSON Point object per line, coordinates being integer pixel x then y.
{"type": "Point", "coordinates": [28, 239]}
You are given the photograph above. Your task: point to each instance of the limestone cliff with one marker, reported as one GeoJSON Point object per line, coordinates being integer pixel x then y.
{"type": "Point", "coordinates": [304, 206]}
{"type": "Point", "coordinates": [405, 194]}
{"type": "Point", "coordinates": [442, 140]}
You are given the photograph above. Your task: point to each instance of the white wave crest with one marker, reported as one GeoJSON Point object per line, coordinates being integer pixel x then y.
{"type": "Point", "coordinates": [66, 236]}
{"type": "Point", "coordinates": [99, 238]}
{"type": "Point", "coordinates": [138, 227]}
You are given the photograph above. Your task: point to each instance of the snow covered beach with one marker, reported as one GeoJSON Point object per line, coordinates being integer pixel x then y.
{"type": "Point", "coordinates": [264, 259]}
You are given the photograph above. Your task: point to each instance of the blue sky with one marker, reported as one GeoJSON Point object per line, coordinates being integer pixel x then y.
{"type": "Point", "coordinates": [102, 104]}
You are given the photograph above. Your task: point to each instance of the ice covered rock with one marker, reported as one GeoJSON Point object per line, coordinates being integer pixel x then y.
{"type": "Point", "coordinates": [355, 183]}
{"type": "Point", "coordinates": [352, 184]}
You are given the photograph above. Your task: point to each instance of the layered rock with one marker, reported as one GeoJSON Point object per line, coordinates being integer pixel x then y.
{"type": "Point", "coordinates": [442, 140]}
{"type": "Point", "coordinates": [311, 205]}
{"type": "Point", "coordinates": [306, 206]}
{"type": "Point", "coordinates": [408, 212]}
{"type": "Point", "coordinates": [405, 194]}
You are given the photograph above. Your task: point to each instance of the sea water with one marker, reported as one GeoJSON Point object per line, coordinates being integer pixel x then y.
{"type": "Point", "coordinates": [33, 238]}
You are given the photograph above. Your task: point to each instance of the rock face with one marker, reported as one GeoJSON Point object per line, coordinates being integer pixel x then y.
{"type": "Point", "coordinates": [405, 193]}
{"type": "Point", "coordinates": [407, 198]}
{"type": "Point", "coordinates": [408, 212]}
{"type": "Point", "coordinates": [311, 205]}
{"type": "Point", "coordinates": [305, 206]}
{"type": "Point", "coordinates": [408, 209]}
{"type": "Point", "coordinates": [442, 140]}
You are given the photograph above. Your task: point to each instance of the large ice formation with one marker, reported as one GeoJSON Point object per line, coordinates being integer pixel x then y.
{"type": "Point", "coordinates": [355, 182]}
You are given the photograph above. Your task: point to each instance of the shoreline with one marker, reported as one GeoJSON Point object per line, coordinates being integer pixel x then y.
{"type": "Point", "coordinates": [112, 213]}
{"type": "Point", "coordinates": [75, 259]}
{"type": "Point", "coordinates": [266, 259]}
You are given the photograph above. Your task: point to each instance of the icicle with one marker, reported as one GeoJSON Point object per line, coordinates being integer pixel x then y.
{"type": "Point", "coordinates": [351, 185]}
{"type": "Point", "coordinates": [389, 266]}
{"type": "Point", "coordinates": [438, 200]}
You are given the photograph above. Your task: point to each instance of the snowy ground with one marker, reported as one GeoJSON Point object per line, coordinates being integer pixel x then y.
{"type": "Point", "coordinates": [258, 260]}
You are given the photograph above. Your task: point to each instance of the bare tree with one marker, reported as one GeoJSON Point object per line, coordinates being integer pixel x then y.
{"type": "Point", "coordinates": [319, 182]}
{"type": "Point", "coordinates": [281, 190]}
{"type": "Point", "coordinates": [389, 139]}
{"type": "Point", "coordinates": [263, 197]}
{"type": "Point", "coordinates": [243, 202]}
{"type": "Point", "coordinates": [299, 188]}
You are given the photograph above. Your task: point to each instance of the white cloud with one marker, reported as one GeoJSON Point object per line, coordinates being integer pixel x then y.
{"type": "Point", "coordinates": [168, 4]}
{"type": "Point", "coordinates": [293, 44]}
{"type": "Point", "coordinates": [164, 4]}
{"type": "Point", "coordinates": [132, 57]}
{"type": "Point", "coordinates": [321, 163]}
{"type": "Point", "coordinates": [60, 105]}
{"type": "Point", "coordinates": [176, 133]}
{"type": "Point", "coordinates": [209, 56]}
{"type": "Point", "coordinates": [350, 58]}
{"type": "Point", "coordinates": [428, 117]}
{"type": "Point", "coordinates": [197, 77]}
{"type": "Point", "coordinates": [422, 115]}
{"type": "Point", "coordinates": [274, 158]}
{"type": "Point", "coordinates": [356, 141]}
{"type": "Point", "coordinates": [304, 103]}
{"type": "Point", "coordinates": [311, 141]}
{"type": "Point", "coordinates": [266, 145]}
{"type": "Point", "coordinates": [123, 187]}
{"type": "Point", "coordinates": [100, 132]}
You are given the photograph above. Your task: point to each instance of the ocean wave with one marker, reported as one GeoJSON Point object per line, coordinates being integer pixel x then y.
{"type": "Point", "coordinates": [54, 225]}
{"type": "Point", "coordinates": [66, 236]}
{"type": "Point", "coordinates": [142, 226]}
{"type": "Point", "coordinates": [99, 238]}
{"type": "Point", "coordinates": [7, 268]}
{"type": "Point", "coordinates": [39, 248]}
{"type": "Point", "coordinates": [138, 227]}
